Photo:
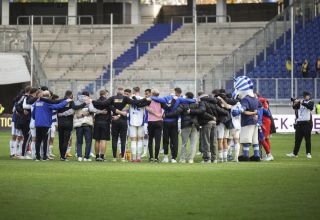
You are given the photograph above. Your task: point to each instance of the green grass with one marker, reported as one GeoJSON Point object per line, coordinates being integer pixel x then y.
{"type": "Point", "coordinates": [283, 189]}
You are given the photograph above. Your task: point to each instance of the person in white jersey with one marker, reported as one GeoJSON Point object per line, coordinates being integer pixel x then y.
{"type": "Point", "coordinates": [136, 126]}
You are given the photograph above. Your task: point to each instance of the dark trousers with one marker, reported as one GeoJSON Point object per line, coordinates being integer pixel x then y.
{"type": "Point", "coordinates": [26, 139]}
{"type": "Point", "coordinates": [303, 130]}
{"type": "Point", "coordinates": [154, 132]}
{"type": "Point", "coordinates": [64, 138]}
{"type": "Point", "coordinates": [170, 135]}
{"type": "Point", "coordinates": [42, 134]}
{"type": "Point", "coordinates": [206, 132]}
{"type": "Point", "coordinates": [86, 132]}
{"type": "Point", "coordinates": [119, 128]}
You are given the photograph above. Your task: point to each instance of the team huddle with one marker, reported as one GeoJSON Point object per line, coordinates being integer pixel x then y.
{"type": "Point", "coordinates": [219, 123]}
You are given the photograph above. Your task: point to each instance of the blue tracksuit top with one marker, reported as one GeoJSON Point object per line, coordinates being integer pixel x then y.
{"type": "Point", "coordinates": [167, 100]}
{"type": "Point", "coordinates": [42, 112]}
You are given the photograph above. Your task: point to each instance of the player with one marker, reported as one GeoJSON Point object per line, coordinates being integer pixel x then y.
{"type": "Point", "coordinates": [136, 127]}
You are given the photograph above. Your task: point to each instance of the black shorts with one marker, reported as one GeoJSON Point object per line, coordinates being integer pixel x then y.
{"type": "Point", "coordinates": [101, 132]}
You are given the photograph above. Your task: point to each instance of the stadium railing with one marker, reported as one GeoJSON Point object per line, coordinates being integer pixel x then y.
{"type": "Point", "coordinates": [279, 89]}
{"type": "Point", "coordinates": [264, 42]}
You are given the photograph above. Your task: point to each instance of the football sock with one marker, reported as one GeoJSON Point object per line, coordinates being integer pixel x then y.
{"type": "Point", "coordinates": [140, 143]}
{"type": "Point", "coordinates": [13, 147]}
{"type": "Point", "coordinates": [220, 154]}
{"type": "Point", "coordinates": [231, 149]}
{"type": "Point", "coordinates": [33, 149]}
{"type": "Point", "coordinates": [145, 145]}
{"type": "Point", "coordinates": [50, 149]}
{"type": "Point", "coordinates": [246, 150]}
{"type": "Point", "coordinates": [256, 150]}
{"type": "Point", "coordinates": [237, 150]}
{"type": "Point", "coordinates": [134, 149]}
{"type": "Point", "coordinates": [225, 153]}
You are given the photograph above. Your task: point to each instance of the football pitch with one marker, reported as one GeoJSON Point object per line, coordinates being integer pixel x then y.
{"type": "Point", "coordinates": [283, 189]}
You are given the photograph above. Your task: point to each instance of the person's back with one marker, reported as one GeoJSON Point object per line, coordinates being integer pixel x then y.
{"type": "Point", "coordinates": [250, 104]}
{"type": "Point", "coordinates": [102, 118]}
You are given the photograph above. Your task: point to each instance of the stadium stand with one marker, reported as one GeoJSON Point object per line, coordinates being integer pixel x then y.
{"type": "Point", "coordinates": [306, 46]}
{"type": "Point", "coordinates": [141, 45]}
{"type": "Point", "coordinates": [173, 58]}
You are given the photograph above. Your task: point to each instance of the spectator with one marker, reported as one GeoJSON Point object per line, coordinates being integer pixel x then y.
{"type": "Point", "coordinates": [318, 67]}
{"type": "Point", "coordinates": [288, 65]}
{"type": "Point", "coordinates": [305, 68]}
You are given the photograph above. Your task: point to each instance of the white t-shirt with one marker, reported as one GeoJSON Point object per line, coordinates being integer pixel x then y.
{"type": "Point", "coordinates": [136, 115]}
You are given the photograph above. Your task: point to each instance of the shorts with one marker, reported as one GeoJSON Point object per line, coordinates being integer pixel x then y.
{"type": "Point", "coordinates": [234, 133]}
{"type": "Point", "coordinates": [249, 134]}
{"type": "Point", "coordinates": [222, 131]}
{"type": "Point", "coordinates": [15, 131]}
{"type": "Point", "coordinates": [52, 131]}
{"type": "Point", "coordinates": [136, 131]}
{"type": "Point", "coordinates": [101, 132]}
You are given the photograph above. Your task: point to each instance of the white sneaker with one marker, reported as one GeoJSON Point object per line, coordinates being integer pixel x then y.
{"type": "Point", "coordinates": [92, 155]}
{"type": "Point", "coordinates": [198, 153]}
{"type": "Point", "coordinates": [79, 159]}
{"type": "Point", "coordinates": [182, 161]}
{"type": "Point", "coordinates": [114, 160]}
{"type": "Point", "coordinates": [173, 161]}
{"type": "Point", "coordinates": [87, 160]}
{"type": "Point", "coordinates": [269, 157]}
{"type": "Point", "coordinates": [190, 161]}
{"type": "Point", "coordinates": [22, 158]}
{"type": "Point", "coordinates": [123, 160]}
{"type": "Point", "coordinates": [309, 156]}
{"type": "Point", "coordinates": [29, 153]}
{"type": "Point", "coordinates": [291, 155]}
{"type": "Point", "coordinates": [52, 155]}
{"type": "Point", "coordinates": [165, 159]}
{"type": "Point", "coordinates": [144, 155]}
{"type": "Point", "coordinates": [27, 157]}
{"type": "Point", "coordinates": [235, 160]}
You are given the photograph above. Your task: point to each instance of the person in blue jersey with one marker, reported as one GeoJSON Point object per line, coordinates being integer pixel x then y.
{"type": "Point", "coordinates": [42, 114]}
{"type": "Point", "coordinates": [170, 125]}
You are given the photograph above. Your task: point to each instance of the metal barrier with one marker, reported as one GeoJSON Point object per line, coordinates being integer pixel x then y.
{"type": "Point", "coordinates": [278, 89]}
{"type": "Point", "coordinates": [206, 19]}
{"type": "Point", "coordinates": [264, 42]}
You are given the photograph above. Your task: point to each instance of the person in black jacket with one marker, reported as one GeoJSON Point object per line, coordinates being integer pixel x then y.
{"type": "Point", "coordinates": [189, 126]}
{"type": "Point", "coordinates": [119, 124]}
{"type": "Point", "coordinates": [208, 122]}
{"type": "Point", "coordinates": [65, 124]}
{"type": "Point", "coordinates": [23, 120]}
{"type": "Point", "coordinates": [101, 128]}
